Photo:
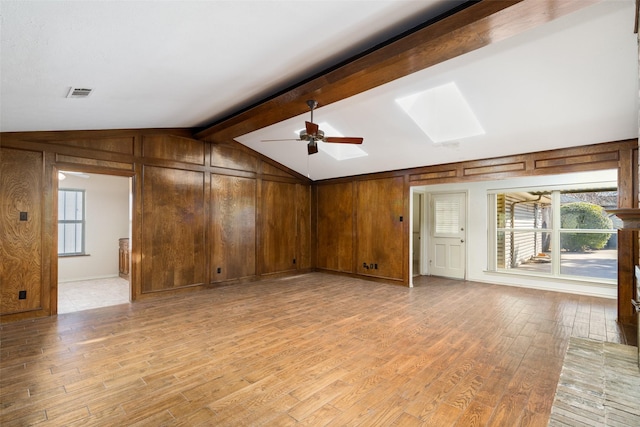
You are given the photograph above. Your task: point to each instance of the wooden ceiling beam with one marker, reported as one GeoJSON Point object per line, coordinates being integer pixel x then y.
{"type": "Point", "coordinates": [474, 27]}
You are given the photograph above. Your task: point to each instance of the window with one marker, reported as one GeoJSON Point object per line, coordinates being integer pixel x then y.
{"type": "Point", "coordinates": [559, 233]}
{"type": "Point", "coordinates": [71, 222]}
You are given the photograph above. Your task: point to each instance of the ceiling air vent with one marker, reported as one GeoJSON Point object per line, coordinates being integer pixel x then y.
{"type": "Point", "coordinates": [79, 92]}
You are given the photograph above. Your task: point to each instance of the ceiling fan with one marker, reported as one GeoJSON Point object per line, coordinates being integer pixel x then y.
{"type": "Point", "coordinates": [312, 134]}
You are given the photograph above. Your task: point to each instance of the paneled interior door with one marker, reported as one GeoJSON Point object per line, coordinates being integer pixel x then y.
{"type": "Point", "coordinates": [447, 235]}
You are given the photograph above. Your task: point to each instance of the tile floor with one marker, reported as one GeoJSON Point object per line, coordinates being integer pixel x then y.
{"type": "Point", "coordinates": [87, 294]}
{"type": "Point", "coordinates": [599, 385]}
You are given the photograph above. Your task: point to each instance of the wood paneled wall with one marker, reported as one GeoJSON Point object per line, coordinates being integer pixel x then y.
{"type": "Point", "coordinates": [380, 228]}
{"type": "Point", "coordinates": [233, 227]}
{"type": "Point", "coordinates": [172, 249]}
{"type": "Point", "coordinates": [207, 214]}
{"type": "Point", "coordinates": [203, 213]}
{"type": "Point", "coordinates": [336, 223]}
{"type": "Point", "coordinates": [21, 179]}
{"type": "Point", "coordinates": [358, 217]}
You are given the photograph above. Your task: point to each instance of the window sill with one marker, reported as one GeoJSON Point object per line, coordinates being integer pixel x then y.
{"type": "Point", "coordinates": [72, 255]}
{"type": "Point", "coordinates": [559, 279]}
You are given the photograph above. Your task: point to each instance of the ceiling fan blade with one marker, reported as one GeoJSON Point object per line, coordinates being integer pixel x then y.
{"type": "Point", "coordinates": [312, 128]}
{"type": "Point", "coordinates": [343, 140]}
{"type": "Point", "coordinates": [312, 147]}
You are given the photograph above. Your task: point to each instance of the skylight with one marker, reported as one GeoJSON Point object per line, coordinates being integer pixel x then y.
{"type": "Point", "coordinates": [338, 151]}
{"type": "Point", "coordinates": [442, 113]}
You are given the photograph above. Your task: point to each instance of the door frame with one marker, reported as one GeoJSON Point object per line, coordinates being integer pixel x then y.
{"type": "Point", "coordinates": [133, 242]}
{"type": "Point", "coordinates": [425, 229]}
{"type": "Point", "coordinates": [424, 233]}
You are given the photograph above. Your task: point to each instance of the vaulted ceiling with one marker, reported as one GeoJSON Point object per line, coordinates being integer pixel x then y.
{"type": "Point", "coordinates": [242, 70]}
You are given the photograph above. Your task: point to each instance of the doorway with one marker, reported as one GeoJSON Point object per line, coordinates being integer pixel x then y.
{"type": "Point", "coordinates": [94, 217]}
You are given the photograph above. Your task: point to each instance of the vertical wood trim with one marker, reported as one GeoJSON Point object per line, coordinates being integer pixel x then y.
{"type": "Point", "coordinates": [135, 276]}
{"type": "Point", "coordinates": [206, 231]}
{"type": "Point", "coordinates": [259, 228]}
{"type": "Point", "coordinates": [627, 239]}
{"type": "Point", "coordinates": [313, 250]}
{"type": "Point", "coordinates": [354, 227]}
{"type": "Point", "coordinates": [406, 231]}
{"type": "Point", "coordinates": [49, 288]}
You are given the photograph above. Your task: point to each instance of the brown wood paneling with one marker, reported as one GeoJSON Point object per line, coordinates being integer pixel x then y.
{"type": "Point", "coordinates": [495, 169]}
{"type": "Point", "coordinates": [169, 147]}
{"type": "Point", "coordinates": [580, 159]}
{"type": "Point", "coordinates": [303, 220]}
{"type": "Point", "coordinates": [627, 239]}
{"type": "Point", "coordinates": [233, 227]}
{"type": "Point", "coordinates": [335, 227]}
{"type": "Point", "coordinates": [173, 224]}
{"type": "Point", "coordinates": [225, 156]}
{"type": "Point", "coordinates": [427, 176]}
{"type": "Point", "coordinates": [61, 158]}
{"type": "Point", "coordinates": [278, 229]}
{"type": "Point", "coordinates": [379, 208]}
{"type": "Point", "coordinates": [21, 186]}
{"type": "Point", "coordinates": [267, 169]}
{"type": "Point", "coordinates": [120, 145]}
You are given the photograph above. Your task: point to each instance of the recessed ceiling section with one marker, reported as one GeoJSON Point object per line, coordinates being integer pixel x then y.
{"type": "Point", "coordinates": [442, 113]}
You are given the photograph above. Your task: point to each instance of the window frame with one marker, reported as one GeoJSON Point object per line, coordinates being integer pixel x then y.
{"type": "Point", "coordinates": [555, 230]}
{"type": "Point", "coordinates": [81, 222]}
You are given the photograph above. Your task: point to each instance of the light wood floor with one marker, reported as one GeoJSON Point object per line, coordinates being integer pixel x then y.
{"type": "Point", "coordinates": [311, 350]}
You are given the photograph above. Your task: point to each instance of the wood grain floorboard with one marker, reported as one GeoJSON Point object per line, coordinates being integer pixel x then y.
{"type": "Point", "coordinates": [316, 350]}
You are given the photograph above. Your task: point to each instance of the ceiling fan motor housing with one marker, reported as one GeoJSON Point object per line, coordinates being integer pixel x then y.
{"type": "Point", "coordinates": [304, 136]}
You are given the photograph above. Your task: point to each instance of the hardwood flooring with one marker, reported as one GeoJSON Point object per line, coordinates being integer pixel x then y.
{"type": "Point", "coordinates": [317, 349]}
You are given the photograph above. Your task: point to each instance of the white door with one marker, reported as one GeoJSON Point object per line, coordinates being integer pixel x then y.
{"type": "Point", "coordinates": [447, 235]}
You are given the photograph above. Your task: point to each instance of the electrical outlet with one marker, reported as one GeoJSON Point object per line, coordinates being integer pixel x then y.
{"type": "Point", "coordinates": [24, 216]}
{"type": "Point", "coordinates": [22, 294]}
{"type": "Point", "coordinates": [294, 260]}
{"type": "Point", "coordinates": [219, 270]}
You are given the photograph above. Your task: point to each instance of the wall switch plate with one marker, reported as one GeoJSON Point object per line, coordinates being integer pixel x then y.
{"type": "Point", "coordinates": [22, 294]}
{"type": "Point", "coordinates": [23, 216]}
{"type": "Point", "coordinates": [219, 270]}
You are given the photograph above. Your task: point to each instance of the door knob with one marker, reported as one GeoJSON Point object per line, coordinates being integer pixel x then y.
{"type": "Point", "coordinates": [461, 241]}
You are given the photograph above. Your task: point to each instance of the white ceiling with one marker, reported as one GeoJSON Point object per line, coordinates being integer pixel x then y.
{"type": "Point", "coordinates": [175, 63]}
{"type": "Point", "coordinates": [571, 82]}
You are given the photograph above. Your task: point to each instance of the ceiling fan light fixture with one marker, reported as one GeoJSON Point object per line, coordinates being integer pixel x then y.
{"type": "Point", "coordinates": [312, 147]}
